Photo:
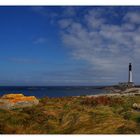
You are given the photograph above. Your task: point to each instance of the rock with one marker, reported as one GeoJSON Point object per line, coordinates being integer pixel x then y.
{"type": "Point", "coordinates": [136, 106]}
{"type": "Point", "coordinates": [12, 101]}
{"type": "Point", "coordinates": [132, 90]}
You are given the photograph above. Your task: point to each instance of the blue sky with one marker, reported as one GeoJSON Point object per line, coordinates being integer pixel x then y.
{"type": "Point", "coordinates": [69, 45]}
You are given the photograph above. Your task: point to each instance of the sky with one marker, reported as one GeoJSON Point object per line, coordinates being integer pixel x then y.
{"type": "Point", "coordinates": [70, 45]}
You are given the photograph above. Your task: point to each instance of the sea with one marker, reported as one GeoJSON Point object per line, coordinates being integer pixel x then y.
{"type": "Point", "coordinates": [52, 91]}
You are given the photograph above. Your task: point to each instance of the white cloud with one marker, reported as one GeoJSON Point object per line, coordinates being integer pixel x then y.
{"type": "Point", "coordinates": [40, 40]}
{"type": "Point", "coordinates": [103, 44]}
{"type": "Point", "coordinates": [64, 23]}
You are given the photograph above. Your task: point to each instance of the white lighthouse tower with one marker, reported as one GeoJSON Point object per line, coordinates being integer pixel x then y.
{"type": "Point", "coordinates": [130, 81]}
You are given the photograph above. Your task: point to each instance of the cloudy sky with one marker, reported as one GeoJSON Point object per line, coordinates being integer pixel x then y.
{"type": "Point", "coordinates": [69, 45]}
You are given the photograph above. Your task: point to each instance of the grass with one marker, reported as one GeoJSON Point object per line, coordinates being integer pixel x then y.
{"type": "Point", "coordinates": [74, 115]}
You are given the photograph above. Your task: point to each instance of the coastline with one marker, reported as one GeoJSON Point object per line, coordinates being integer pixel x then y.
{"type": "Point", "coordinates": [120, 93]}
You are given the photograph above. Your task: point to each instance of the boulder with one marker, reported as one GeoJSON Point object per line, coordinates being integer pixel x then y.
{"type": "Point", "coordinates": [136, 106]}
{"type": "Point", "coordinates": [12, 101]}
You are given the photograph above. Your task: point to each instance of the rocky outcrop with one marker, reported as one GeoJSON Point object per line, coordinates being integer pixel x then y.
{"type": "Point", "coordinates": [12, 101]}
{"type": "Point", "coordinates": [132, 90]}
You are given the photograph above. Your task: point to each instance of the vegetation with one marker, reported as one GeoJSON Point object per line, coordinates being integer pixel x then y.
{"type": "Point", "coordinates": [74, 115]}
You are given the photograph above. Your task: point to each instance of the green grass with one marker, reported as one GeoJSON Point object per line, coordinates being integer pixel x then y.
{"type": "Point", "coordinates": [74, 115]}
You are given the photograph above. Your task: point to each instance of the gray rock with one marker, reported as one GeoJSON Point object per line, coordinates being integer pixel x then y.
{"type": "Point", "coordinates": [136, 106]}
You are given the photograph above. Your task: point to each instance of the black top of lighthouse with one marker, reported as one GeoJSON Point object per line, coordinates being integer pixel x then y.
{"type": "Point", "coordinates": [130, 67]}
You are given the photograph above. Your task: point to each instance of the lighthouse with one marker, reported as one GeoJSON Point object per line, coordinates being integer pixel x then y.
{"type": "Point", "coordinates": [130, 83]}
{"type": "Point", "coordinates": [130, 74]}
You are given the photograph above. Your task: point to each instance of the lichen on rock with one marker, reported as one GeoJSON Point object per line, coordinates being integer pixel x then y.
{"type": "Point", "coordinates": [12, 101]}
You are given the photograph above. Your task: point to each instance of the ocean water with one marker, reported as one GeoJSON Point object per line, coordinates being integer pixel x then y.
{"type": "Point", "coordinates": [52, 91]}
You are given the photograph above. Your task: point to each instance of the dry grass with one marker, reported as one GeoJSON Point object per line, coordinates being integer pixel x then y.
{"type": "Point", "coordinates": [74, 115]}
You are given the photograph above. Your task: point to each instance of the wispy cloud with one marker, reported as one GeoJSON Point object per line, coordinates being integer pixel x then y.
{"type": "Point", "coordinates": [40, 40]}
{"type": "Point", "coordinates": [104, 37]}
{"type": "Point", "coordinates": [24, 60]}
{"type": "Point", "coordinates": [109, 46]}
